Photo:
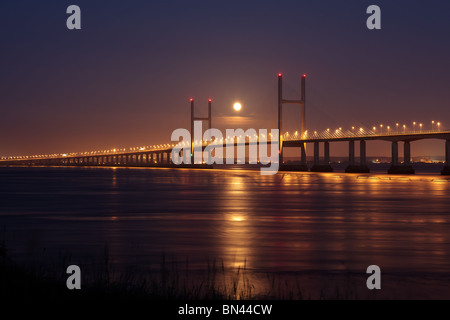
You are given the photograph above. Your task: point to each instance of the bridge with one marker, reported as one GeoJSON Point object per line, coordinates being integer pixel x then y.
{"type": "Point", "coordinates": [160, 155]}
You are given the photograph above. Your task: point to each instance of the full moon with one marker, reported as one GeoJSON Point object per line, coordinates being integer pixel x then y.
{"type": "Point", "coordinates": [237, 106]}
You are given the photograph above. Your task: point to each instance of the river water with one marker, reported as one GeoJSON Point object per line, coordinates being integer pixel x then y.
{"type": "Point", "coordinates": [314, 223]}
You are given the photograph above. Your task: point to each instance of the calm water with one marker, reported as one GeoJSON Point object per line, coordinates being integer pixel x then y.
{"type": "Point", "coordinates": [288, 222]}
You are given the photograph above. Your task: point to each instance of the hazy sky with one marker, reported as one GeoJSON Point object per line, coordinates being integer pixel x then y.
{"type": "Point", "coordinates": [125, 79]}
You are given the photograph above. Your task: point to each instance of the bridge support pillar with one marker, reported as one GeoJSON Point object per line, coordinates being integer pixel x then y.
{"type": "Point", "coordinates": [362, 154]}
{"type": "Point", "coordinates": [407, 153]}
{"type": "Point", "coordinates": [316, 153]}
{"type": "Point", "coordinates": [303, 155]}
{"type": "Point", "coordinates": [326, 152]}
{"type": "Point", "coordinates": [297, 167]}
{"type": "Point", "coordinates": [394, 153]}
{"type": "Point", "coordinates": [404, 168]}
{"type": "Point", "coordinates": [351, 153]}
{"type": "Point", "coordinates": [317, 167]}
{"type": "Point", "coordinates": [185, 157]}
{"type": "Point", "coordinates": [446, 170]}
{"type": "Point", "coordinates": [352, 167]}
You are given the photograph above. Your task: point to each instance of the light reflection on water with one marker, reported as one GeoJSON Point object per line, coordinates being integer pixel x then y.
{"type": "Point", "coordinates": [286, 222]}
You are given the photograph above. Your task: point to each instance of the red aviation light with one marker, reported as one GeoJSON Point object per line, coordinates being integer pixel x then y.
{"type": "Point", "coordinates": [279, 75]}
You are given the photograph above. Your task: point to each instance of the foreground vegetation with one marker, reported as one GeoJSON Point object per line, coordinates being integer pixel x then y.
{"type": "Point", "coordinates": [172, 281]}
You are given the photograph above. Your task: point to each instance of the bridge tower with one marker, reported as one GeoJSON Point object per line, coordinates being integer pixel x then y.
{"type": "Point", "coordinates": [193, 118]}
{"type": "Point", "coordinates": [302, 102]}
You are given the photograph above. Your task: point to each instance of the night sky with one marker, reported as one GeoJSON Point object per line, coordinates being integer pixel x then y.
{"type": "Point", "coordinates": [125, 79]}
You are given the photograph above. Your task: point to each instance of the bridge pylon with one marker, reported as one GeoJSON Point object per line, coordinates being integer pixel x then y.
{"type": "Point", "coordinates": [302, 103]}
{"type": "Point", "coordinates": [193, 119]}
